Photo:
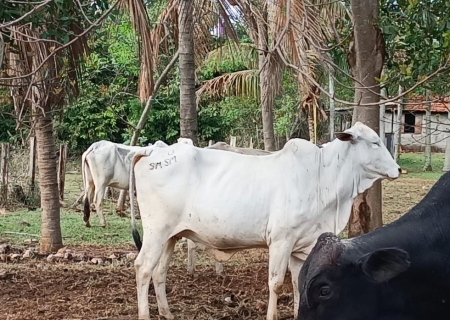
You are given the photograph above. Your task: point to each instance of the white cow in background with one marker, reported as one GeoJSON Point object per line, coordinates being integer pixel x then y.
{"type": "Point", "coordinates": [106, 164]}
{"type": "Point", "coordinates": [230, 202]}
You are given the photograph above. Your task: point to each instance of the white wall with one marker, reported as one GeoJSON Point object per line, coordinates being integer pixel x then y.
{"type": "Point", "coordinates": [416, 142]}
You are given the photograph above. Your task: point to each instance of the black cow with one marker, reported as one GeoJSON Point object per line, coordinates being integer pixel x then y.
{"type": "Point", "coordinates": [399, 272]}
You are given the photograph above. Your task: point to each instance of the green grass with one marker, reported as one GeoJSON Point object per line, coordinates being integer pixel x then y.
{"type": "Point", "coordinates": [118, 230]}
{"type": "Point", "coordinates": [414, 163]}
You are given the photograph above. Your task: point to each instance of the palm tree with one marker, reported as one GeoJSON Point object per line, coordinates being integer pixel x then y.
{"type": "Point", "coordinates": [188, 110]}
{"type": "Point", "coordinates": [45, 50]}
{"type": "Point", "coordinates": [285, 38]}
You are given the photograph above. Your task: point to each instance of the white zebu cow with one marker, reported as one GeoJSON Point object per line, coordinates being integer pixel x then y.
{"type": "Point", "coordinates": [192, 246]}
{"type": "Point", "coordinates": [229, 202]}
{"type": "Point", "coordinates": [106, 164]}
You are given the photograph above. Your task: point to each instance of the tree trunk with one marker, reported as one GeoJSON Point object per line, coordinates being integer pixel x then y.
{"type": "Point", "coordinates": [382, 114]}
{"type": "Point", "coordinates": [398, 131]}
{"type": "Point", "coordinates": [331, 89]}
{"type": "Point", "coordinates": [188, 108]}
{"type": "Point", "coordinates": [447, 147]}
{"type": "Point", "coordinates": [427, 166]}
{"type": "Point", "coordinates": [142, 122]}
{"type": "Point", "coordinates": [51, 238]}
{"type": "Point", "coordinates": [264, 82]}
{"type": "Point", "coordinates": [366, 57]}
{"type": "Point", "coordinates": [310, 127]}
{"type": "Point", "coordinates": [447, 152]}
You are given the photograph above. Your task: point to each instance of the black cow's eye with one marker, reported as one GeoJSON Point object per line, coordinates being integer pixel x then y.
{"type": "Point", "coordinates": [325, 291]}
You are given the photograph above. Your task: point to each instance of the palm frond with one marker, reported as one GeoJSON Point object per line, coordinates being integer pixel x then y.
{"type": "Point", "coordinates": [244, 53]}
{"type": "Point", "coordinates": [165, 31]}
{"type": "Point", "coordinates": [207, 15]}
{"type": "Point", "coordinates": [140, 22]}
{"type": "Point", "coordinates": [241, 83]}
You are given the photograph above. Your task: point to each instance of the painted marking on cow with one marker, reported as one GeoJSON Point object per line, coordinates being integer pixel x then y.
{"type": "Point", "coordinates": [167, 162]}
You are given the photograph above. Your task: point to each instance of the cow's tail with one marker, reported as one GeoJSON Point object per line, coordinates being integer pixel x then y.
{"type": "Point", "coordinates": [135, 232]}
{"type": "Point", "coordinates": [86, 208]}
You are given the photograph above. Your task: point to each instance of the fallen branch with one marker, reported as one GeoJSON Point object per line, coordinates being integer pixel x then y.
{"type": "Point", "coordinates": [27, 234]}
{"type": "Point", "coordinates": [143, 119]}
{"type": "Point", "coordinates": [21, 233]}
{"type": "Point", "coordinates": [74, 205]}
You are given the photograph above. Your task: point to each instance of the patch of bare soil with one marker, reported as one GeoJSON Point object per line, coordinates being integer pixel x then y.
{"type": "Point", "coordinates": [399, 196]}
{"type": "Point", "coordinates": [38, 289]}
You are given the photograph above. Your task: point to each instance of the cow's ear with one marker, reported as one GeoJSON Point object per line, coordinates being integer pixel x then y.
{"type": "Point", "coordinates": [344, 136]}
{"type": "Point", "coordinates": [384, 264]}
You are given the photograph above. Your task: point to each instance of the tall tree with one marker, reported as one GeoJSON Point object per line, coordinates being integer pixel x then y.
{"type": "Point", "coordinates": [427, 165]}
{"type": "Point", "coordinates": [264, 80]}
{"type": "Point", "coordinates": [447, 147]}
{"type": "Point", "coordinates": [46, 43]}
{"type": "Point", "coordinates": [188, 108]}
{"type": "Point", "coordinates": [332, 105]}
{"type": "Point", "coordinates": [398, 130]}
{"type": "Point", "coordinates": [366, 58]}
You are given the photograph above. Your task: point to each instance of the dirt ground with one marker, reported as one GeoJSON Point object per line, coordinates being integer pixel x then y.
{"type": "Point", "coordinates": [72, 289]}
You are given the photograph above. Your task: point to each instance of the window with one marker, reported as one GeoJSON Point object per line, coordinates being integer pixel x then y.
{"type": "Point", "coordinates": [410, 123]}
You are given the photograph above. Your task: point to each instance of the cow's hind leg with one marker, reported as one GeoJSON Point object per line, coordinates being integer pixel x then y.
{"type": "Point", "coordinates": [192, 246]}
{"type": "Point", "coordinates": [98, 199]}
{"type": "Point", "coordinates": [146, 261]}
{"type": "Point", "coordinates": [159, 279]}
{"type": "Point", "coordinates": [279, 254]}
{"type": "Point", "coordinates": [295, 264]}
{"type": "Point", "coordinates": [219, 269]}
{"type": "Point", "coordinates": [88, 197]}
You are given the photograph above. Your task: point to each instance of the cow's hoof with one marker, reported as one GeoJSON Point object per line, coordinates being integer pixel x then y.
{"type": "Point", "coordinates": [103, 226]}
{"type": "Point", "coordinates": [88, 225]}
{"type": "Point", "coordinates": [167, 315]}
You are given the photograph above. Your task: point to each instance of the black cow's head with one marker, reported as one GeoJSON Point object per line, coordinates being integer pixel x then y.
{"type": "Point", "coordinates": [340, 282]}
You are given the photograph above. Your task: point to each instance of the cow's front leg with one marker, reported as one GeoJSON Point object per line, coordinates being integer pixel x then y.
{"type": "Point", "coordinates": [279, 254]}
{"type": "Point", "coordinates": [295, 264]}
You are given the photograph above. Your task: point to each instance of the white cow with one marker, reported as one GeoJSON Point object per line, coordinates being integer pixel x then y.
{"type": "Point", "coordinates": [229, 202]}
{"type": "Point", "coordinates": [106, 164]}
{"type": "Point", "coordinates": [192, 246]}
{"type": "Point", "coordinates": [226, 147]}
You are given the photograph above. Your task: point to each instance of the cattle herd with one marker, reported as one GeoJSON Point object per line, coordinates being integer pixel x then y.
{"type": "Point", "coordinates": [294, 202]}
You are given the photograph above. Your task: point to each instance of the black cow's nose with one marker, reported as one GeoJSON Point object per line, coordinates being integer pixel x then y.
{"type": "Point", "coordinates": [399, 170]}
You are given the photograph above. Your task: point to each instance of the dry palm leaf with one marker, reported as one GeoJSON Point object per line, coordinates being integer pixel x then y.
{"type": "Point", "coordinates": [141, 24]}
{"type": "Point", "coordinates": [241, 83]}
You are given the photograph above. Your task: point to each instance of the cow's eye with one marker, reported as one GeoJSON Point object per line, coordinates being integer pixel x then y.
{"type": "Point", "coordinates": [325, 291]}
{"type": "Point", "coordinates": [376, 144]}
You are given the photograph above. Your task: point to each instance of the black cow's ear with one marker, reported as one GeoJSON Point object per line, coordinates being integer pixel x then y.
{"type": "Point", "coordinates": [344, 136]}
{"type": "Point", "coordinates": [384, 264]}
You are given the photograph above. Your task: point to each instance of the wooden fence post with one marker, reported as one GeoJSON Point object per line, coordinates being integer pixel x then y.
{"type": "Point", "coordinates": [32, 171]}
{"type": "Point", "coordinates": [210, 143]}
{"type": "Point", "coordinates": [233, 141]}
{"type": "Point", "coordinates": [251, 143]}
{"type": "Point", "coordinates": [4, 160]}
{"type": "Point", "coordinates": [62, 170]}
